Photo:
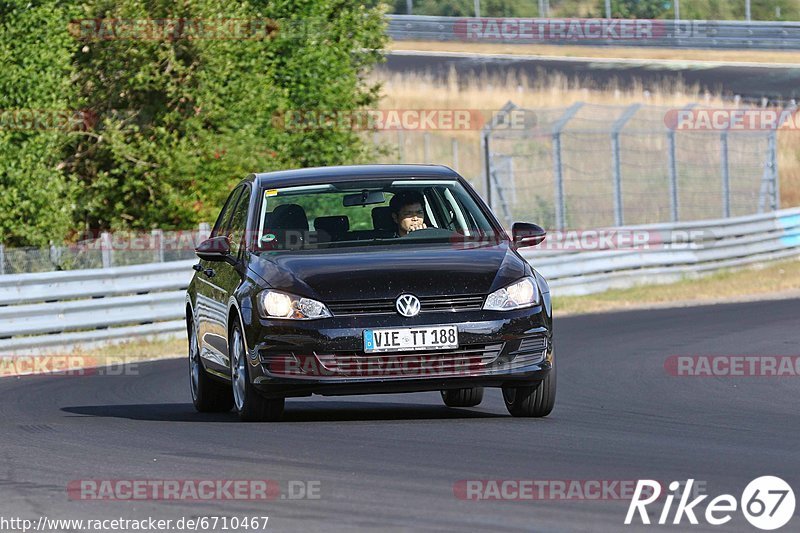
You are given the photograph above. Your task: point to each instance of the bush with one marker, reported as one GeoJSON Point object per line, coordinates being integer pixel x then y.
{"type": "Point", "coordinates": [199, 113]}
{"type": "Point", "coordinates": [171, 123]}
{"type": "Point", "coordinates": [35, 51]}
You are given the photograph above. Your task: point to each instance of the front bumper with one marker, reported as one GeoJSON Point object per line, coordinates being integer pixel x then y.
{"type": "Point", "coordinates": [326, 356]}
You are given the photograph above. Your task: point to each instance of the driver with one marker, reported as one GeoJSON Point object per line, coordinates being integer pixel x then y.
{"type": "Point", "coordinates": [407, 212]}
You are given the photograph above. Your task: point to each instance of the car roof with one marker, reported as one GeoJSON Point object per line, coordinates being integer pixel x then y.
{"type": "Point", "coordinates": [337, 174]}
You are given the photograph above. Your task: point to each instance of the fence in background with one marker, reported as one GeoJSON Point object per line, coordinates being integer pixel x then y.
{"type": "Point", "coordinates": [56, 309]}
{"type": "Point", "coordinates": [722, 34]}
{"type": "Point", "coordinates": [105, 251]}
{"type": "Point", "coordinates": [53, 309]}
{"type": "Point", "coordinates": [590, 166]}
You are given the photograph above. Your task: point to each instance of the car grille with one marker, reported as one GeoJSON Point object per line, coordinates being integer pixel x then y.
{"type": "Point", "coordinates": [465, 361]}
{"type": "Point", "coordinates": [531, 351]}
{"type": "Point", "coordinates": [385, 306]}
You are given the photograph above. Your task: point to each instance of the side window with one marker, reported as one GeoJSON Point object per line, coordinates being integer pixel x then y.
{"type": "Point", "coordinates": [224, 218]}
{"type": "Point", "coordinates": [239, 221]}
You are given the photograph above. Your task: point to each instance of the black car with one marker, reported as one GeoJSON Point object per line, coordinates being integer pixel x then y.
{"type": "Point", "coordinates": [363, 280]}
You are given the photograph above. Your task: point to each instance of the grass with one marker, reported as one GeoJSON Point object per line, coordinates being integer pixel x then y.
{"type": "Point", "coordinates": [762, 280]}
{"type": "Point", "coordinates": [616, 52]}
{"type": "Point", "coordinates": [138, 350]}
{"type": "Point", "coordinates": [112, 357]}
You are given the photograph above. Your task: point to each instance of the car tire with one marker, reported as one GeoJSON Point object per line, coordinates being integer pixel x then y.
{"type": "Point", "coordinates": [208, 396]}
{"type": "Point", "coordinates": [250, 405]}
{"type": "Point", "coordinates": [469, 397]}
{"type": "Point", "coordinates": [535, 401]}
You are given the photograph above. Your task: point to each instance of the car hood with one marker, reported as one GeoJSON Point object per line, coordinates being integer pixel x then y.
{"type": "Point", "coordinates": [388, 271]}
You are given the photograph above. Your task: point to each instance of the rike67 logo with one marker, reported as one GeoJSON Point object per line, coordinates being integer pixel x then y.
{"type": "Point", "coordinates": [767, 503]}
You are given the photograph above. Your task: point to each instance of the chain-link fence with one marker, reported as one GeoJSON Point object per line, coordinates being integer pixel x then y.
{"type": "Point", "coordinates": [105, 250]}
{"type": "Point", "coordinates": [600, 165]}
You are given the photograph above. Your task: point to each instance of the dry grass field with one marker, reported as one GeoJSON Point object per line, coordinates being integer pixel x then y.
{"type": "Point", "coordinates": [418, 91]}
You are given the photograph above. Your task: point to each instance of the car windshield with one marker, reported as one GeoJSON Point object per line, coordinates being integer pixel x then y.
{"type": "Point", "coordinates": [362, 213]}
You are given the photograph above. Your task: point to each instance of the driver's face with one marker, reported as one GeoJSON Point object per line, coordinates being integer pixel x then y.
{"type": "Point", "coordinates": [410, 217]}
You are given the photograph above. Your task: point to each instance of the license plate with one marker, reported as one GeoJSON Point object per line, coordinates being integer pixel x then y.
{"type": "Point", "coordinates": [410, 339]}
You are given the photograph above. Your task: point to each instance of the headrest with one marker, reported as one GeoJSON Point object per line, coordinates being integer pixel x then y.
{"type": "Point", "coordinates": [382, 219]}
{"type": "Point", "coordinates": [289, 216]}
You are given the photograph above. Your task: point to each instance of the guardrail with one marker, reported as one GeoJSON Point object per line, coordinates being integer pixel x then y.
{"type": "Point", "coordinates": [53, 309]}
{"type": "Point", "coordinates": [57, 309]}
{"type": "Point", "coordinates": [669, 252]}
{"type": "Point", "coordinates": [728, 34]}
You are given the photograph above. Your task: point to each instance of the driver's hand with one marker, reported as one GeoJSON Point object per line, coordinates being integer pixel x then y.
{"type": "Point", "coordinates": [415, 227]}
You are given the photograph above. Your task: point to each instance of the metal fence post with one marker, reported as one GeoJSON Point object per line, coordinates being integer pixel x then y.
{"type": "Point", "coordinates": [203, 232]}
{"type": "Point", "coordinates": [426, 147]}
{"type": "Point", "coordinates": [726, 177]}
{"type": "Point", "coordinates": [619, 219]}
{"type": "Point", "coordinates": [55, 254]}
{"type": "Point", "coordinates": [673, 171]}
{"type": "Point", "coordinates": [157, 240]}
{"type": "Point", "coordinates": [2, 259]}
{"type": "Point", "coordinates": [105, 243]}
{"type": "Point", "coordinates": [773, 156]}
{"type": "Point", "coordinates": [487, 162]}
{"type": "Point", "coordinates": [558, 177]}
{"type": "Point", "coordinates": [673, 176]}
{"type": "Point", "coordinates": [486, 132]}
{"type": "Point", "coordinates": [454, 144]}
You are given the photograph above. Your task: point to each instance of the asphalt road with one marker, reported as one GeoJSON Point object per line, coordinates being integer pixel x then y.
{"type": "Point", "coordinates": [391, 462]}
{"type": "Point", "coordinates": [779, 83]}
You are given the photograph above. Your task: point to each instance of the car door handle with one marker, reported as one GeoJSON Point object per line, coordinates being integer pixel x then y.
{"type": "Point", "coordinates": [198, 267]}
{"type": "Point", "coordinates": [209, 272]}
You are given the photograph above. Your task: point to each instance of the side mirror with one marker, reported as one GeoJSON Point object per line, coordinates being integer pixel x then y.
{"type": "Point", "coordinates": [527, 234]}
{"type": "Point", "coordinates": [216, 249]}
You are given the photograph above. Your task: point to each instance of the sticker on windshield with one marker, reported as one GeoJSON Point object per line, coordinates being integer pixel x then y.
{"type": "Point", "coordinates": [272, 192]}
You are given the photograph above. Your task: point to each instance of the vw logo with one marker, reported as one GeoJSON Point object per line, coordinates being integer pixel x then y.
{"type": "Point", "coordinates": [407, 305]}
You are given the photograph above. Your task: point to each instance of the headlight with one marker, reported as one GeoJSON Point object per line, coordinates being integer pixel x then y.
{"type": "Point", "coordinates": [273, 304]}
{"type": "Point", "coordinates": [524, 293]}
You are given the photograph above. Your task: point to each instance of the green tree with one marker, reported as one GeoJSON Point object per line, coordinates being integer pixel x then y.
{"type": "Point", "coordinates": [36, 200]}
{"type": "Point", "coordinates": [198, 114]}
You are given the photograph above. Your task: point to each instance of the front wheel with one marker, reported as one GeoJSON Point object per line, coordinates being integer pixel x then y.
{"type": "Point", "coordinates": [208, 396]}
{"type": "Point", "coordinates": [535, 401]}
{"type": "Point", "coordinates": [249, 404]}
